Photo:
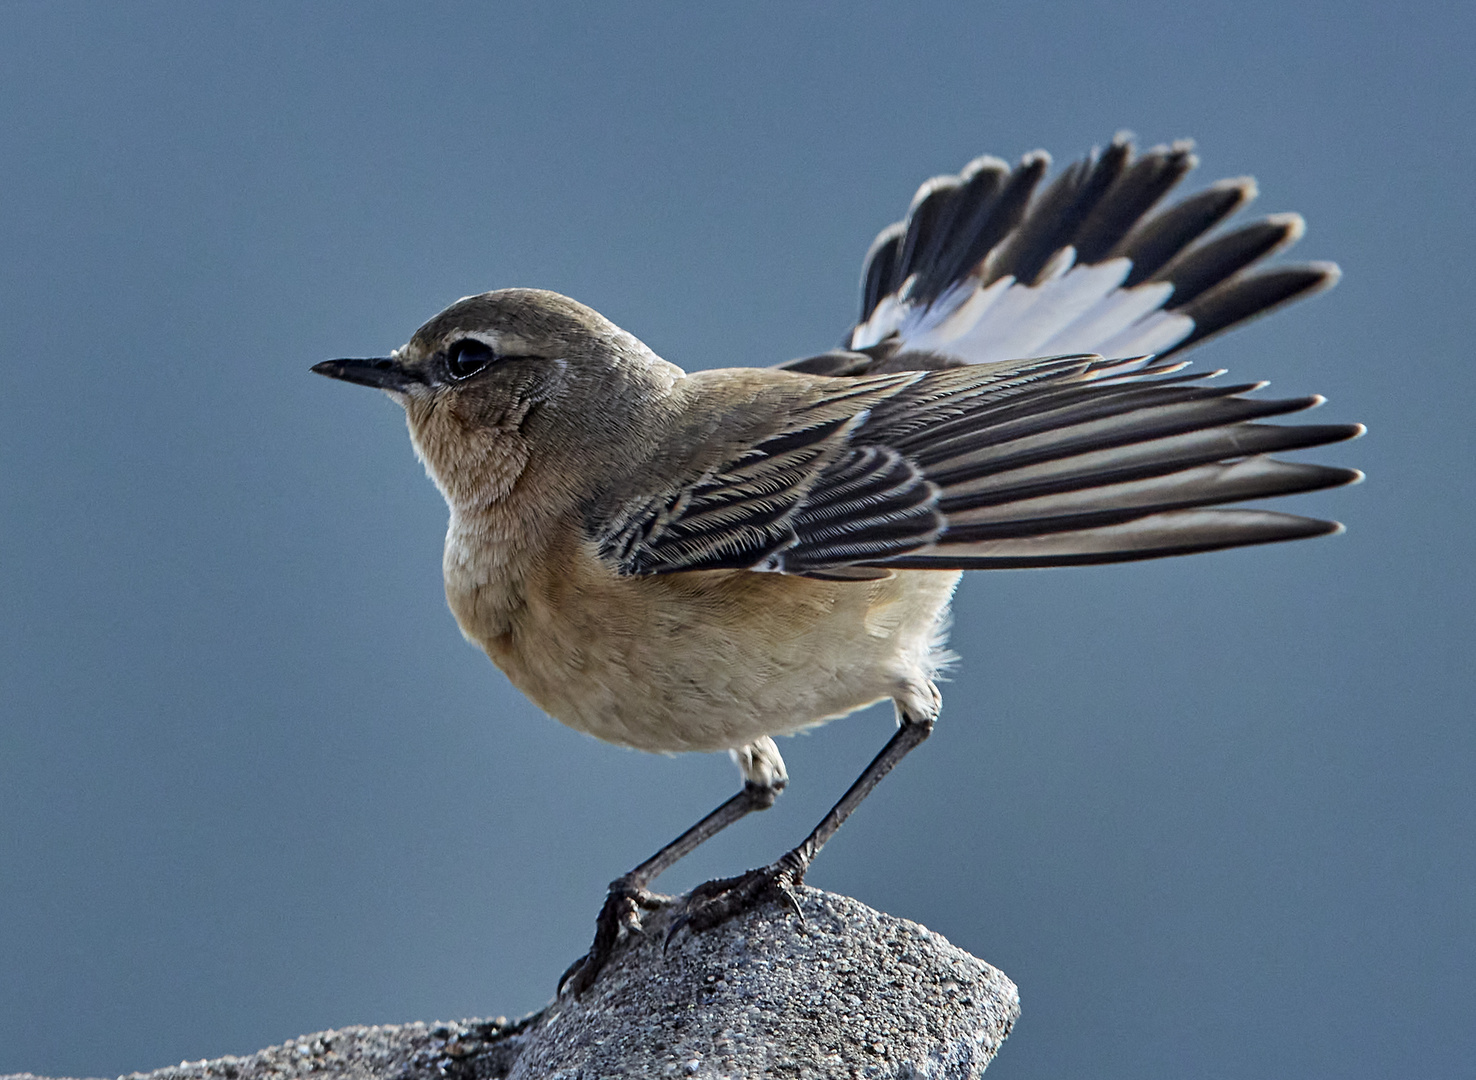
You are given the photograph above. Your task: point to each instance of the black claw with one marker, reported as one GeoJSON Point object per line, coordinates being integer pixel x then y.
{"type": "Point", "coordinates": [564, 978]}
{"type": "Point", "coordinates": [789, 897]}
{"type": "Point", "coordinates": [620, 912]}
{"type": "Point", "coordinates": [677, 924]}
{"type": "Point", "coordinates": [580, 976]}
{"type": "Point", "coordinates": [715, 902]}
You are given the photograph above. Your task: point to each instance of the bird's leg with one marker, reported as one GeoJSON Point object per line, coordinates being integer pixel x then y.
{"type": "Point", "coordinates": [718, 901]}
{"type": "Point", "coordinates": [629, 895]}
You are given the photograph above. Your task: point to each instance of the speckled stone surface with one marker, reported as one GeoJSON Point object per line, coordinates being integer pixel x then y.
{"type": "Point", "coordinates": [847, 993]}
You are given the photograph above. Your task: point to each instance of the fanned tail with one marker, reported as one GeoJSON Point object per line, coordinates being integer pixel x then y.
{"type": "Point", "coordinates": [985, 269]}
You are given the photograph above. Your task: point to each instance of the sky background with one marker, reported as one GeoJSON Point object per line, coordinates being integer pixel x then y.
{"type": "Point", "coordinates": [1215, 816]}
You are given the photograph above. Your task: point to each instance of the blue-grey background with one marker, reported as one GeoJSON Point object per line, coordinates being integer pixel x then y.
{"type": "Point", "coordinates": [1214, 815]}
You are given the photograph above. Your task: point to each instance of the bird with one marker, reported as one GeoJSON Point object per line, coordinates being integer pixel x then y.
{"type": "Point", "coordinates": [703, 561]}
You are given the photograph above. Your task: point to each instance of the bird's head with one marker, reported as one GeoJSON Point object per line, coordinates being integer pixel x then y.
{"type": "Point", "coordinates": [508, 380]}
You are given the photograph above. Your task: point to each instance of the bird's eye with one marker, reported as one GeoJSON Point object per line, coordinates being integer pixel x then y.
{"type": "Point", "coordinates": [467, 357]}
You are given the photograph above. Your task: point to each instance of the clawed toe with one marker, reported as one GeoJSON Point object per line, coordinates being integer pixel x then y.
{"type": "Point", "coordinates": [709, 905]}
{"type": "Point", "coordinates": [715, 902]}
{"type": "Point", "coordinates": [621, 913]}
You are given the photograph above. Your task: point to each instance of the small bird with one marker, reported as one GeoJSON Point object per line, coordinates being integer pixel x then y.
{"type": "Point", "coordinates": [674, 562]}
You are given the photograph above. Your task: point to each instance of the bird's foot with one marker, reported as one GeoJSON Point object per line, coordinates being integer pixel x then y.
{"type": "Point", "coordinates": [715, 902]}
{"type": "Point", "coordinates": [621, 913]}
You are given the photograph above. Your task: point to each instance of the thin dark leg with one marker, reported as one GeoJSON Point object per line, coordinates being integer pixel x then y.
{"type": "Point", "coordinates": [718, 901]}
{"type": "Point", "coordinates": [751, 798]}
{"type": "Point", "coordinates": [628, 895]}
{"type": "Point", "coordinates": [907, 737]}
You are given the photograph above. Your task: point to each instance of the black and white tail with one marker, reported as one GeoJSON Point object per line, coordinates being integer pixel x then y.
{"type": "Point", "coordinates": [1125, 460]}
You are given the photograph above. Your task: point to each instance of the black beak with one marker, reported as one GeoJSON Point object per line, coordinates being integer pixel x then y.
{"type": "Point", "coordinates": [381, 373]}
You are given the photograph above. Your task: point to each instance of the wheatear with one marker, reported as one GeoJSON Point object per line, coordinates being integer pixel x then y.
{"type": "Point", "coordinates": [701, 562]}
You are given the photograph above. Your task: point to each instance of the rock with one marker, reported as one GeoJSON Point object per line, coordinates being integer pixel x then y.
{"type": "Point", "coordinates": [847, 993]}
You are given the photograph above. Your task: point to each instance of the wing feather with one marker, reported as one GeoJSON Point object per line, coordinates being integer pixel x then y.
{"type": "Point", "coordinates": [1050, 460]}
{"type": "Point", "coordinates": [923, 442]}
{"type": "Point", "coordinates": [1177, 532]}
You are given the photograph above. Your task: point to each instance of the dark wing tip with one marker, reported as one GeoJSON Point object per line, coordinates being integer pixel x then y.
{"type": "Point", "coordinates": [1168, 535]}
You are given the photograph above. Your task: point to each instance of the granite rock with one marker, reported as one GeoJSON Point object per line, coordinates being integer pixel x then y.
{"type": "Point", "coordinates": [848, 992]}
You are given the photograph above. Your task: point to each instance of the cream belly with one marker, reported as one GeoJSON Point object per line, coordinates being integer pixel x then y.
{"type": "Point", "coordinates": [708, 660]}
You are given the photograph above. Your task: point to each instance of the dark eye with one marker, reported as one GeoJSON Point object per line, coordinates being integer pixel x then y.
{"type": "Point", "coordinates": [467, 357]}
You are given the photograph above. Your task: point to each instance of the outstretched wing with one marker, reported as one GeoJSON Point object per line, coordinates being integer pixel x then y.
{"type": "Point", "coordinates": [983, 269]}
{"type": "Point", "coordinates": [810, 496]}
{"type": "Point", "coordinates": [964, 457]}
{"type": "Point", "coordinates": [1047, 462]}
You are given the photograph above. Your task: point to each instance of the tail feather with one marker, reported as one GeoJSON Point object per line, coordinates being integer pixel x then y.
{"type": "Point", "coordinates": [984, 269]}
{"type": "Point", "coordinates": [1154, 243]}
{"type": "Point", "coordinates": [991, 206]}
{"type": "Point", "coordinates": [1136, 192]}
{"type": "Point", "coordinates": [1076, 459]}
{"type": "Point", "coordinates": [1252, 295]}
{"type": "Point", "coordinates": [1217, 260]}
{"type": "Point", "coordinates": [1059, 214]}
